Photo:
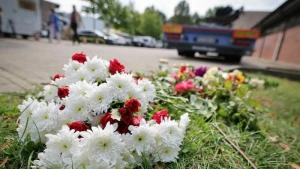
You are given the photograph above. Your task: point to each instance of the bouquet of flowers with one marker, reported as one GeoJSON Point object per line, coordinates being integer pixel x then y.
{"type": "Point", "coordinates": [93, 117]}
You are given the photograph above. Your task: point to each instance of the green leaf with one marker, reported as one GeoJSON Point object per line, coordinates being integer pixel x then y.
{"type": "Point", "coordinates": [228, 84]}
{"type": "Point", "coordinates": [242, 91]}
{"type": "Point", "coordinates": [222, 112]}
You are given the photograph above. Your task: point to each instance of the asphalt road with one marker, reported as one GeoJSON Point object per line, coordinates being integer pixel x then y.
{"type": "Point", "coordinates": [27, 62]}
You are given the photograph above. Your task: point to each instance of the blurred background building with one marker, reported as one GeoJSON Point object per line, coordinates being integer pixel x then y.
{"type": "Point", "coordinates": [280, 34]}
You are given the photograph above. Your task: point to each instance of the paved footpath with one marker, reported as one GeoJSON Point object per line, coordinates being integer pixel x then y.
{"type": "Point", "coordinates": [24, 63]}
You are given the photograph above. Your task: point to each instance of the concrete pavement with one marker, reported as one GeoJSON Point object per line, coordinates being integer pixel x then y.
{"type": "Point", "coordinates": [24, 63]}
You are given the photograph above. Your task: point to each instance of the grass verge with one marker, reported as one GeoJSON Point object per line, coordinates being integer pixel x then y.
{"type": "Point", "coordinates": [277, 145]}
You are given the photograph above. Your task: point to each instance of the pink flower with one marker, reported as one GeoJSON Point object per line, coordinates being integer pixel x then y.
{"type": "Point", "coordinates": [184, 86]}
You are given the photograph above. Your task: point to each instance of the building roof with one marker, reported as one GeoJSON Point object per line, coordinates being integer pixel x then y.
{"type": "Point", "coordinates": [288, 8]}
{"type": "Point", "coordinates": [248, 19]}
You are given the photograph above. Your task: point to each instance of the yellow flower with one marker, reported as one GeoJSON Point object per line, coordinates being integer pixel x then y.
{"type": "Point", "coordinates": [240, 78]}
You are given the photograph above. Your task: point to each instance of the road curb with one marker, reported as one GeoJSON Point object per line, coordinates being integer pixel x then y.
{"type": "Point", "coordinates": [278, 72]}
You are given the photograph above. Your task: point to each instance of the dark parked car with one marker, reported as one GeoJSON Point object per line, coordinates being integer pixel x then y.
{"type": "Point", "coordinates": [92, 36]}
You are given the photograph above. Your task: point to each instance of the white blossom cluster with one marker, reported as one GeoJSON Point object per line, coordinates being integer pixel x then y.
{"type": "Point", "coordinates": [91, 92]}
{"type": "Point", "coordinates": [106, 149]}
{"type": "Point", "coordinates": [89, 97]}
{"type": "Point", "coordinates": [257, 83]}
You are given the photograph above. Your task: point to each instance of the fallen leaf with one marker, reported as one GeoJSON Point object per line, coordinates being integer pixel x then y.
{"type": "Point", "coordinates": [295, 120]}
{"type": "Point", "coordinates": [272, 139]}
{"type": "Point", "coordinates": [3, 162]}
{"type": "Point", "coordinates": [159, 165]}
{"type": "Point", "coordinates": [274, 115]}
{"type": "Point", "coordinates": [284, 146]}
{"type": "Point", "coordinates": [295, 166]}
{"type": "Point", "coordinates": [3, 146]}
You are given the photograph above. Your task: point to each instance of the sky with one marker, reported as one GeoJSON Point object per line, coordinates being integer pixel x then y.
{"type": "Point", "coordinates": [167, 6]}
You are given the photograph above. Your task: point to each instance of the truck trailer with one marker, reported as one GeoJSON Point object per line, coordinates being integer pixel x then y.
{"type": "Point", "coordinates": [21, 17]}
{"type": "Point", "coordinates": [227, 42]}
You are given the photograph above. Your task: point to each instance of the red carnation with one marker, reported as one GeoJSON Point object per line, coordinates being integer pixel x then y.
{"type": "Point", "coordinates": [132, 105]}
{"type": "Point", "coordinates": [123, 111]}
{"type": "Point", "coordinates": [115, 66]}
{"type": "Point", "coordinates": [182, 69]}
{"type": "Point", "coordinates": [107, 118]}
{"type": "Point", "coordinates": [62, 107]}
{"type": "Point", "coordinates": [79, 57]}
{"type": "Point", "coordinates": [122, 128]}
{"type": "Point", "coordinates": [158, 116]}
{"type": "Point", "coordinates": [57, 76]}
{"type": "Point", "coordinates": [78, 126]}
{"type": "Point", "coordinates": [127, 118]}
{"type": "Point", "coordinates": [63, 92]}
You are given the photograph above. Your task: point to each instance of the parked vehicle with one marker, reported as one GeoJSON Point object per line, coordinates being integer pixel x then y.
{"type": "Point", "coordinates": [138, 41]}
{"type": "Point", "coordinates": [149, 41]}
{"type": "Point", "coordinates": [159, 44]}
{"type": "Point", "coordinates": [116, 39]}
{"type": "Point", "coordinates": [94, 36]}
{"type": "Point", "coordinates": [227, 42]}
{"type": "Point", "coordinates": [21, 17]}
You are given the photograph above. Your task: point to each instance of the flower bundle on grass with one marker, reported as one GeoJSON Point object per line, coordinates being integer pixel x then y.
{"type": "Point", "coordinates": [93, 117]}
{"type": "Point", "coordinates": [213, 93]}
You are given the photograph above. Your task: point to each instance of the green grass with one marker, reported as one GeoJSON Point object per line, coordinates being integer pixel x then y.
{"type": "Point", "coordinates": [204, 146]}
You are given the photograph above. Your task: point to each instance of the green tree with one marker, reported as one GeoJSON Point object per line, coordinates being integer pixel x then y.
{"type": "Point", "coordinates": [181, 14]}
{"type": "Point", "coordinates": [104, 8]}
{"type": "Point", "coordinates": [196, 19]}
{"type": "Point", "coordinates": [151, 23]}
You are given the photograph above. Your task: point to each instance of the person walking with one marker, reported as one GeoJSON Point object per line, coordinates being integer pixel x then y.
{"type": "Point", "coordinates": [54, 27]}
{"type": "Point", "coordinates": [75, 23]}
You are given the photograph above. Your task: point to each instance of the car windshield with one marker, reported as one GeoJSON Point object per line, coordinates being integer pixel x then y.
{"type": "Point", "coordinates": [113, 35]}
{"type": "Point", "coordinates": [99, 33]}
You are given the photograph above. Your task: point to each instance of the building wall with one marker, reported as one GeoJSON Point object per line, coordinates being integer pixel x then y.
{"type": "Point", "coordinates": [290, 48]}
{"type": "Point", "coordinates": [289, 51]}
{"type": "Point", "coordinates": [269, 46]}
{"type": "Point", "coordinates": [258, 47]}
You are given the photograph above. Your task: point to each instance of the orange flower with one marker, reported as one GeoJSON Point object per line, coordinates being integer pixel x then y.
{"type": "Point", "coordinates": [229, 77]}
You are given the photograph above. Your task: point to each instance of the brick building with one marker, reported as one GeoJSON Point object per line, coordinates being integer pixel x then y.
{"type": "Point", "coordinates": [280, 34]}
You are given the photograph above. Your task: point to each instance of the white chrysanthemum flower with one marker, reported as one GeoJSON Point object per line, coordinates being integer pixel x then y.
{"type": "Point", "coordinates": [143, 109]}
{"type": "Point", "coordinates": [49, 159]}
{"type": "Point", "coordinates": [60, 149]}
{"type": "Point", "coordinates": [100, 98]}
{"type": "Point", "coordinates": [63, 119]}
{"type": "Point", "coordinates": [170, 132]}
{"type": "Point", "coordinates": [120, 84]}
{"type": "Point", "coordinates": [136, 93]}
{"type": "Point", "coordinates": [45, 117]}
{"type": "Point", "coordinates": [77, 108]}
{"type": "Point", "coordinates": [81, 75]}
{"type": "Point", "coordinates": [26, 126]}
{"type": "Point", "coordinates": [184, 121]}
{"type": "Point", "coordinates": [141, 138]}
{"type": "Point", "coordinates": [71, 68]}
{"type": "Point", "coordinates": [50, 92]}
{"type": "Point", "coordinates": [147, 88]}
{"type": "Point", "coordinates": [26, 109]}
{"type": "Point", "coordinates": [66, 142]}
{"type": "Point", "coordinates": [81, 88]}
{"type": "Point", "coordinates": [62, 81]}
{"type": "Point", "coordinates": [166, 153]}
{"type": "Point", "coordinates": [102, 144]}
{"type": "Point", "coordinates": [97, 68]}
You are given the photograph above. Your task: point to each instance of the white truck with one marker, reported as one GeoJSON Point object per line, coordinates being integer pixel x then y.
{"type": "Point", "coordinates": [21, 17]}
